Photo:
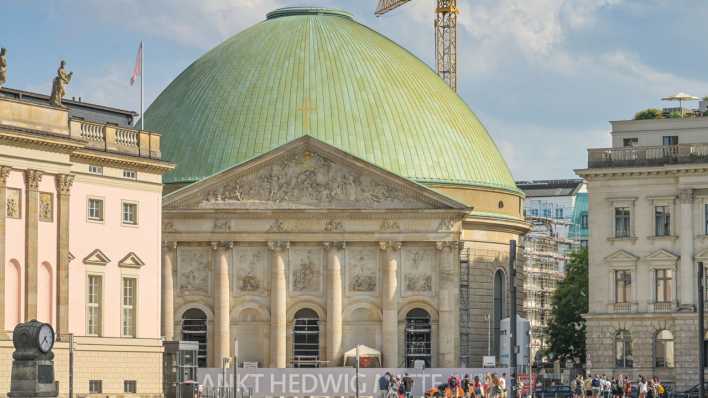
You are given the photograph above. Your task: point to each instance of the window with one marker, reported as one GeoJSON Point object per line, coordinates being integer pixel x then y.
{"type": "Point", "coordinates": [662, 219]}
{"type": "Point", "coordinates": [669, 140]}
{"type": "Point", "coordinates": [634, 141]}
{"type": "Point", "coordinates": [622, 222]}
{"type": "Point", "coordinates": [128, 320]}
{"type": "Point", "coordinates": [547, 213]}
{"type": "Point", "coordinates": [664, 350]}
{"type": "Point", "coordinates": [623, 349]}
{"type": "Point", "coordinates": [584, 219]}
{"type": "Point", "coordinates": [130, 386]}
{"type": "Point", "coordinates": [93, 310]}
{"type": "Point", "coordinates": [663, 288]}
{"type": "Point", "coordinates": [95, 386]}
{"type": "Point", "coordinates": [534, 212]}
{"type": "Point", "coordinates": [130, 213]}
{"type": "Point", "coordinates": [705, 219]}
{"type": "Point", "coordinates": [95, 209]}
{"type": "Point", "coordinates": [559, 213]}
{"type": "Point", "coordinates": [98, 170]}
{"type": "Point", "coordinates": [584, 243]}
{"type": "Point", "coordinates": [623, 286]}
{"type": "Point", "coordinates": [132, 174]}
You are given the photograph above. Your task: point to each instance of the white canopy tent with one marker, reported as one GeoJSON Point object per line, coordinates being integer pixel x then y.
{"type": "Point", "coordinates": [368, 357]}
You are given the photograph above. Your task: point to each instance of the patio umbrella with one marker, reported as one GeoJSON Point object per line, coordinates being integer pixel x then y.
{"type": "Point", "coordinates": [680, 97]}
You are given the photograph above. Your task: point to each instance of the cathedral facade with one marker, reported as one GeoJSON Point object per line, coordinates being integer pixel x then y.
{"type": "Point", "coordinates": [330, 191]}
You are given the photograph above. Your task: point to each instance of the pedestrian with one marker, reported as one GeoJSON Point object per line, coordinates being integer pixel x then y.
{"type": "Point", "coordinates": [478, 388]}
{"type": "Point", "coordinates": [643, 387]}
{"type": "Point", "coordinates": [627, 387]}
{"type": "Point", "coordinates": [502, 384]}
{"type": "Point", "coordinates": [408, 385]}
{"type": "Point", "coordinates": [466, 386]}
{"type": "Point", "coordinates": [596, 386]}
{"type": "Point", "coordinates": [384, 384]}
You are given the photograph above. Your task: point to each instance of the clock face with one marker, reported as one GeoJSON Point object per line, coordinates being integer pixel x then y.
{"type": "Point", "coordinates": [46, 338]}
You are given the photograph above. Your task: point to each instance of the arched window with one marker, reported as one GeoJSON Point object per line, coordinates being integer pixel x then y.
{"type": "Point", "coordinates": [306, 339]}
{"type": "Point", "coordinates": [418, 337]}
{"type": "Point", "coordinates": [623, 349]}
{"type": "Point", "coordinates": [664, 350]}
{"type": "Point", "coordinates": [498, 309]}
{"type": "Point", "coordinates": [194, 328]}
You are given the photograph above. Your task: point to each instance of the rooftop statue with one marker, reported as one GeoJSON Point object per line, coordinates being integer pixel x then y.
{"type": "Point", "coordinates": [3, 66]}
{"type": "Point", "coordinates": [61, 80]}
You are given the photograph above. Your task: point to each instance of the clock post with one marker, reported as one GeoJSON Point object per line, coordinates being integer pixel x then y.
{"type": "Point", "coordinates": [33, 361]}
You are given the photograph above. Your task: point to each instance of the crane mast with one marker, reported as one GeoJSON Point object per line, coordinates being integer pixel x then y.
{"type": "Point", "coordinates": [445, 36]}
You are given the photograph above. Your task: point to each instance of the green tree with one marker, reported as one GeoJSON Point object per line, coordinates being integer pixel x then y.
{"type": "Point", "coordinates": [651, 113]}
{"type": "Point", "coordinates": [566, 329]}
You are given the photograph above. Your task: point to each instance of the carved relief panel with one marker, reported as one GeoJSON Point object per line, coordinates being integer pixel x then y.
{"type": "Point", "coordinates": [46, 207]}
{"type": "Point", "coordinates": [251, 271]}
{"type": "Point", "coordinates": [305, 179]}
{"type": "Point", "coordinates": [306, 271]}
{"type": "Point", "coordinates": [194, 270]}
{"type": "Point", "coordinates": [13, 207]}
{"type": "Point", "coordinates": [419, 269]}
{"type": "Point", "coordinates": [362, 270]}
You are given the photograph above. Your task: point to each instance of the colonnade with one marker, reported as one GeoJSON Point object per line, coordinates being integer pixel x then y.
{"type": "Point", "coordinates": [334, 251]}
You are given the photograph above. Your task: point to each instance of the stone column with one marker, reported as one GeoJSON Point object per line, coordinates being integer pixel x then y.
{"type": "Point", "coordinates": [278, 305]}
{"type": "Point", "coordinates": [222, 307]}
{"type": "Point", "coordinates": [32, 179]}
{"type": "Point", "coordinates": [168, 300]}
{"type": "Point", "coordinates": [686, 275]}
{"type": "Point", "coordinates": [447, 305]}
{"type": "Point", "coordinates": [4, 173]}
{"type": "Point", "coordinates": [389, 303]}
{"type": "Point", "coordinates": [63, 184]}
{"type": "Point", "coordinates": [334, 302]}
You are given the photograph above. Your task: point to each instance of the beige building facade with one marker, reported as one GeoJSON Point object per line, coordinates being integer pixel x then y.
{"type": "Point", "coordinates": [648, 215]}
{"type": "Point", "coordinates": [299, 274]}
{"type": "Point", "coordinates": [80, 241]}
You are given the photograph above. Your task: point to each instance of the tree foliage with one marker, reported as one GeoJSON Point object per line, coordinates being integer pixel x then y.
{"type": "Point", "coordinates": [566, 329]}
{"type": "Point", "coordinates": [651, 113]}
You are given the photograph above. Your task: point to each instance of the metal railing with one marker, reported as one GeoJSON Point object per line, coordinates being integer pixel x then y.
{"type": "Point", "coordinates": [648, 155]}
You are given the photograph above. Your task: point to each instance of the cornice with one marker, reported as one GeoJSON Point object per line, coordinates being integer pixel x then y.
{"type": "Point", "coordinates": [118, 160]}
{"type": "Point", "coordinates": [39, 140]}
{"type": "Point", "coordinates": [673, 170]}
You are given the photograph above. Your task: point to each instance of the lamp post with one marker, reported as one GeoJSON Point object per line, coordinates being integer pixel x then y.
{"type": "Point", "coordinates": [513, 326]}
{"type": "Point", "coordinates": [357, 371]}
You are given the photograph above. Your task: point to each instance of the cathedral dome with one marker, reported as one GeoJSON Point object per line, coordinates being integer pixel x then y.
{"type": "Point", "coordinates": [317, 72]}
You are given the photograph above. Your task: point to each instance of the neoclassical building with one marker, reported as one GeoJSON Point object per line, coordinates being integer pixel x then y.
{"type": "Point", "coordinates": [648, 214]}
{"type": "Point", "coordinates": [330, 191]}
{"type": "Point", "coordinates": [80, 241]}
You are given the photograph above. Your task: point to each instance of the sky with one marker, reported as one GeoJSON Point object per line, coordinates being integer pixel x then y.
{"type": "Point", "coordinates": [544, 76]}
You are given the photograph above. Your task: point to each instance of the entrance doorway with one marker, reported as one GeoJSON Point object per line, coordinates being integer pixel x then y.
{"type": "Point", "coordinates": [418, 338]}
{"type": "Point", "coordinates": [194, 328]}
{"type": "Point", "coordinates": [306, 339]}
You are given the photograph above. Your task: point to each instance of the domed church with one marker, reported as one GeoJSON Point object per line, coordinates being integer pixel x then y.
{"type": "Point", "coordinates": [330, 191]}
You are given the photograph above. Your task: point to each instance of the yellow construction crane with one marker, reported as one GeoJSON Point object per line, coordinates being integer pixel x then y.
{"type": "Point", "coordinates": [445, 36]}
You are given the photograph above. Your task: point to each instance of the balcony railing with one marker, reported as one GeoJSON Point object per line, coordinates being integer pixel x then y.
{"type": "Point", "coordinates": [121, 140]}
{"type": "Point", "coordinates": [663, 307]}
{"type": "Point", "coordinates": [648, 155]}
{"type": "Point", "coordinates": [623, 307]}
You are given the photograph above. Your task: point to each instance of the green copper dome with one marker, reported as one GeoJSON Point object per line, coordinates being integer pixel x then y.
{"type": "Point", "coordinates": [317, 72]}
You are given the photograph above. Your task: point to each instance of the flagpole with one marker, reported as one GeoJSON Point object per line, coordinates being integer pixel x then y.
{"type": "Point", "coordinates": [142, 77]}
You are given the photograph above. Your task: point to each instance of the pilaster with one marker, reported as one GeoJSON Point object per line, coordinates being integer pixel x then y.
{"type": "Point", "coordinates": [448, 304]}
{"type": "Point", "coordinates": [4, 173]}
{"type": "Point", "coordinates": [32, 179]}
{"type": "Point", "coordinates": [63, 185]}
{"type": "Point", "coordinates": [686, 268]}
{"type": "Point", "coordinates": [168, 305]}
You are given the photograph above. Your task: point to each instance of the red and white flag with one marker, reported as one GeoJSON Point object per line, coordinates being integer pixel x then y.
{"type": "Point", "coordinates": [138, 68]}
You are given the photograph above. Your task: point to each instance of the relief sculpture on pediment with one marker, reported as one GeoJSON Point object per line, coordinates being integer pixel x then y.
{"type": "Point", "coordinates": [305, 179]}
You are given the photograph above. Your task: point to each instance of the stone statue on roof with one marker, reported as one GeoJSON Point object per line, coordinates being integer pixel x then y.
{"type": "Point", "coordinates": [61, 80]}
{"type": "Point", "coordinates": [3, 66]}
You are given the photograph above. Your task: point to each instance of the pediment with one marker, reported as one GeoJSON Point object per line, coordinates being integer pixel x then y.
{"type": "Point", "coordinates": [621, 256]}
{"type": "Point", "coordinates": [97, 257]}
{"type": "Point", "coordinates": [307, 174]}
{"type": "Point", "coordinates": [662, 255]}
{"type": "Point", "coordinates": [131, 260]}
{"type": "Point", "coordinates": [702, 255]}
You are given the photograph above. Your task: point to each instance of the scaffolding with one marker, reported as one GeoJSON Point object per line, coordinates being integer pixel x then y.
{"type": "Point", "coordinates": [465, 309]}
{"type": "Point", "coordinates": [546, 251]}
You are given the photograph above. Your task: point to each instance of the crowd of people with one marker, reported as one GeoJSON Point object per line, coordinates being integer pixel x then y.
{"type": "Point", "coordinates": [492, 386]}
{"type": "Point", "coordinates": [601, 386]}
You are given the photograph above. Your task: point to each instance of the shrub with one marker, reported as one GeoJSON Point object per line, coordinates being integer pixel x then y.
{"type": "Point", "coordinates": [651, 113]}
